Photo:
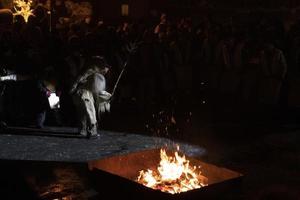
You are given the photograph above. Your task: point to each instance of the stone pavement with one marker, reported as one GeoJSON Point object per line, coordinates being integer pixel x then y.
{"type": "Point", "coordinates": [43, 148]}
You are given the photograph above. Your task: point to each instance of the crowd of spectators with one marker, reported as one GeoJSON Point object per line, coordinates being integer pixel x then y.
{"type": "Point", "coordinates": [241, 61]}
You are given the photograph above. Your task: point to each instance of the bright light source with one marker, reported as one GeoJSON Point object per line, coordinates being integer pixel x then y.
{"type": "Point", "coordinates": [53, 101]}
{"type": "Point", "coordinates": [12, 77]}
{"type": "Point", "coordinates": [23, 8]}
{"type": "Point", "coordinates": [125, 10]}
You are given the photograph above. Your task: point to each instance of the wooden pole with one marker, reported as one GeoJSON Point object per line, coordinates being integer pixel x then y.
{"type": "Point", "coordinates": [52, 2]}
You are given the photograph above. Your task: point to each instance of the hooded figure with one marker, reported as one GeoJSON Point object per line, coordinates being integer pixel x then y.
{"type": "Point", "coordinates": [90, 96]}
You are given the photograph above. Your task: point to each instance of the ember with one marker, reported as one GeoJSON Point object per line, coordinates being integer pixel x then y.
{"type": "Point", "coordinates": [173, 175]}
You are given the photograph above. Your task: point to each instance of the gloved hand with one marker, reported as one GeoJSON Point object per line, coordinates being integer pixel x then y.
{"type": "Point", "coordinates": [106, 96]}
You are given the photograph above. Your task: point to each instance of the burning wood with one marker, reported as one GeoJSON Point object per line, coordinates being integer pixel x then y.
{"type": "Point", "coordinates": [121, 175]}
{"type": "Point", "coordinates": [173, 175]}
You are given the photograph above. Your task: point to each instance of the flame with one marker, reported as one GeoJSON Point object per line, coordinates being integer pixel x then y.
{"type": "Point", "coordinates": [173, 175]}
{"type": "Point", "coordinates": [23, 8]}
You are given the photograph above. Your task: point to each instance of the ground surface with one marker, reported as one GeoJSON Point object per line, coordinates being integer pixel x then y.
{"type": "Point", "coordinates": [73, 149]}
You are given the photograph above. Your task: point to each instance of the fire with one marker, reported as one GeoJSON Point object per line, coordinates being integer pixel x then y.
{"type": "Point", "coordinates": [23, 8]}
{"type": "Point", "coordinates": [173, 175]}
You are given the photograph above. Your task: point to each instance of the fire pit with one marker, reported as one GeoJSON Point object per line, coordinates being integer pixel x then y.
{"type": "Point", "coordinates": [126, 176]}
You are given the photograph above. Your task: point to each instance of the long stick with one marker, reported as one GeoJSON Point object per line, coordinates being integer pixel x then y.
{"type": "Point", "coordinates": [131, 49]}
{"type": "Point", "coordinates": [119, 78]}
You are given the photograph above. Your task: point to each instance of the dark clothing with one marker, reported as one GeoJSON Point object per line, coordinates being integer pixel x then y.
{"type": "Point", "coordinates": [25, 103]}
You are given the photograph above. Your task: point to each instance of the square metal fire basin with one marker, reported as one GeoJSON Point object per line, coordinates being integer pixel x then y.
{"type": "Point", "coordinates": [115, 177]}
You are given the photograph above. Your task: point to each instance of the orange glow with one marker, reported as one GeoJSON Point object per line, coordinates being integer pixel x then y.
{"type": "Point", "coordinates": [173, 175]}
